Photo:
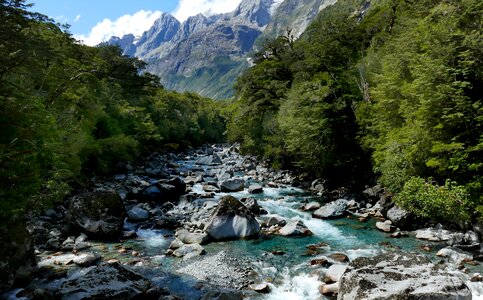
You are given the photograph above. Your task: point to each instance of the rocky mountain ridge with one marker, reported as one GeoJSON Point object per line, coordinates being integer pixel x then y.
{"type": "Point", "coordinates": [205, 54]}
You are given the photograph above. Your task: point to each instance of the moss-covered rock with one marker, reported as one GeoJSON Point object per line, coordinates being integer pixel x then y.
{"type": "Point", "coordinates": [99, 215]}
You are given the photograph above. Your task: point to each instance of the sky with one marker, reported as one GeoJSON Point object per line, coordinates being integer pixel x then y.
{"type": "Point", "coordinates": [95, 21]}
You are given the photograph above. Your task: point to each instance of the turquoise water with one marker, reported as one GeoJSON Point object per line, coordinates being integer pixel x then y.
{"type": "Point", "coordinates": [290, 275]}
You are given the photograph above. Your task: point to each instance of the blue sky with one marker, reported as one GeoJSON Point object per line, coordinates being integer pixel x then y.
{"type": "Point", "coordinates": [96, 21]}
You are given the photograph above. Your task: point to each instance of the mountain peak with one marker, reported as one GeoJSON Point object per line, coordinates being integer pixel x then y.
{"type": "Point", "coordinates": [255, 11]}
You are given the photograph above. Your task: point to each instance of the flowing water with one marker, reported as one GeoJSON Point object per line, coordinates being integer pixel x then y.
{"type": "Point", "coordinates": [289, 275]}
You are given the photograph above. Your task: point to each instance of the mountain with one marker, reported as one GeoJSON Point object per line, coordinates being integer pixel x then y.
{"type": "Point", "coordinates": [205, 54]}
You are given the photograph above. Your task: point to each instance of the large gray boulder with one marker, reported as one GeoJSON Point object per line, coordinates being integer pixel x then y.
{"type": "Point", "coordinates": [400, 276]}
{"type": "Point", "coordinates": [232, 185]}
{"type": "Point", "coordinates": [99, 215]}
{"type": "Point", "coordinates": [110, 281]}
{"type": "Point", "coordinates": [187, 237]}
{"type": "Point", "coordinates": [209, 160]}
{"type": "Point", "coordinates": [294, 228]}
{"type": "Point", "coordinates": [165, 190]}
{"type": "Point", "coordinates": [399, 217]}
{"type": "Point", "coordinates": [332, 210]}
{"type": "Point", "coordinates": [232, 220]}
{"type": "Point", "coordinates": [137, 214]}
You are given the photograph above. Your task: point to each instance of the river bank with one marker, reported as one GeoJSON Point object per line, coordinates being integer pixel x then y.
{"type": "Point", "coordinates": [162, 233]}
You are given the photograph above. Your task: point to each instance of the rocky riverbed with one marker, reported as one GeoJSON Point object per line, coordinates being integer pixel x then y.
{"type": "Point", "coordinates": [212, 224]}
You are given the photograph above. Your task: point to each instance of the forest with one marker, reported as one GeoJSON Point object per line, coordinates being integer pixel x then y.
{"type": "Point", "coordinates": [389, 93]}
{"type": "Point", "coordinates": [69, 111]}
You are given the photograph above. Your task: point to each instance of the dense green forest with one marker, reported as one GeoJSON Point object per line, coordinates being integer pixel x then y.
{"type": "Point", "coordinates": [389, 92]}
{"type": "Point", "coordinates": [68, 110]}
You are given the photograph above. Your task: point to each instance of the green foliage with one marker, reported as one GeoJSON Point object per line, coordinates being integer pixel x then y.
{"type": "Point", "coordinates": [395, 80]}
{"type": "Point", "coordinates": [68, 109]}
{"type": "Point", "coordinates": [449, 202]}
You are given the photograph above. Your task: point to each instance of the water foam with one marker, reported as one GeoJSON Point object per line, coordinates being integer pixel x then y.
{"type": "Point", "coordinates": [298, 287]}
{"type": "Point", "coordinates": [153, 238]}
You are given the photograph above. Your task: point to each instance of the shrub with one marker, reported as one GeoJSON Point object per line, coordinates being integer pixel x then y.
{"type": "Point", "coordinates": [449, 202]}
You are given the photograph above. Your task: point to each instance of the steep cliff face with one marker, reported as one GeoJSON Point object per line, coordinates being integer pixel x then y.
{"type": "Point", "coordinates": [162, 32]}
{"type": "Point", "coordinates": [207, 54]}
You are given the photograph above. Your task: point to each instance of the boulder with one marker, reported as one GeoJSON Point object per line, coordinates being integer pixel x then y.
{"type": "Point", "coordinates": [137, 214]}
{"type": "Point", "coordinates": [99, 215]}
{"type": "Point", "coordinates": [232, 185]}
{"type": "Point", "coordinates": [209, 160]}
{"type": "Point", "coordinates": [455, 255]}
{"type": "Point", "coordinates": [334, 209]}
{"type": "Point", "coordinates": [339, 257]}
{"type": "Point", "coordinates": [165, 190]}
{"type": "Point", "coordinates": [108, 281]}
{"type": "Point", "coordinates": [210, 189]}
{"type": "Point", "coordinates": [262, 288]}
{"type": "Point", "coordinates": [252, 205]}
{"type": "Point", "coordinates": [334, 273]}
{"type": "Point", "coordinates": [187, 237]}
{"type": "Point", "coordinates": [312, 206]}
{"type": "Point", "coordinates": [399, 217]}
{"type": "Point", "coordinates": [191, 250]}
{"type": "Point", "coordinates": [294, 228]}
{"type": "Point", "coordinates": [385, 226]}
{"type": "Point", "coordinates": [400, 276]}
{"type": "Point", "coordinates": [438, 234]}
{"type": "Point", "coordinates": [86, 259]}
{"type": "Point", "coordinates": [17, 256]}
{"type": "Point", "coordinates": [275, 221]}
{"type": "Point", "coordinates": [373, 194]}
{"type": "Point", "coordinates": [232, 220]}
{"type": "Point", "coordinates": [255, 189]}
{"type": "Point", "coordinates": [329, 289]}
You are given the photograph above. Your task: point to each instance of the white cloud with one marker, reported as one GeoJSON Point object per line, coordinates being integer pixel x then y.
{"type": "Point", "coordinates": [77, 18]}
{"type": "Point", "coordinates": [135, 24]}
{"type": "Point", "coordinates": [61, 19]}
{"type": "Point", "coordinates": [187, 8]}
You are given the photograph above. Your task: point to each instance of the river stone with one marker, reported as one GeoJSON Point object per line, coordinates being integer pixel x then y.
{"type": "Point", "coordinates": [165, 190]}
{"type": "Point", "coordinates": [400, 276]}
{"type": "Point", "coordinates": [311, 206]}
{"type": "Point", "coordinates": [99, 215]}
{"type": "Point", "coordinates": [385, 226]}
{"type": "Point", "coordinates": [191, 249]}
{"type": "Point", "coordinates": [252, 205]}
{"type": "Point", "coordinates": [232, 185]}
{"type": "Point", "coordinates": [398, 216]}
{"type": "Point", "coordinates": [294, 228]}
{"type": "Point", "coordinates": [329, 289]}
{"type": "Point", "coordinates": [255, 189]}
{"type": "Point", "coordinates": [373, 194]}
{"type": "Point", "coordinates": [438, 234]}
{"type": "Point", "coordinates": [334, 209]}
{"type": "Point", "coordinates": [86, 259]}
{"type": "Point", "coordinates": [232, 220]}
{"type": "Point", "coordinates": [137, 214]}
{"type": "Point", "coordinates": [210, 160]}
{"type": "Point", "coordinates": [454, 255]}
{"type": "Point", "coordinates": [210, 189]}
{"type": "Point", "coordinates": [275, 221]}
{"type": "Point", "coordinates": [262, 288]}
{"type": "Point", "coordinates": [334, 273]}
{"type": "Point", "coordinates": [187, 237]}
{"type": "Point", "coordinates": [109, 281]}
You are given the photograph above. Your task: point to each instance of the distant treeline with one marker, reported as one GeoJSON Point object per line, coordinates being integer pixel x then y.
{"type": "Point", "coordinates": [67, 110]}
